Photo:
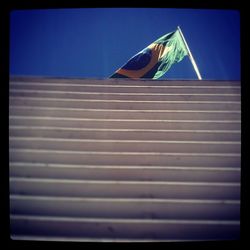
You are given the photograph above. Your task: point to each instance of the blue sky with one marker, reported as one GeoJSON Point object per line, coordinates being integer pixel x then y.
{"type": "Point", "coordinates": [94, 42]}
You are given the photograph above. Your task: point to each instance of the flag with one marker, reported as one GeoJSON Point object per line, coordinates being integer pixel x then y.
{"type": "Point", "coordinates": [156, 59]}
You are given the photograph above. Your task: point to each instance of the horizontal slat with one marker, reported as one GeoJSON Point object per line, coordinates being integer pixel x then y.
{"type": "Point", "coordinates": [162, 173]}
{"type": "Point", "coordinates": [124, 82]}
{"type": "Point", "coordinates": [140, 173]}
{"type": "Point", "coordinates": [124, 134]}
{"type": "Point", "coordinates": [126, 114]}
{"type": "Point", "coordinates": [118, 104]}
{"type": "Point", "coordinates": [123, 228]}
{"type": "Point", "coordinates": [124, 96]}
{"type": "Point", "coordinates": [124, 189]}
{"type": "Point", "coordinates": [125, 145]}
{"type": "Point", "coordinates": [127, 89]}
{"type": "Point", "coordinates": [101, 239]}
{"type": "Point", "coordinates": [124, 123]}
{"type": "Point", "coordinates": [125, 208]}
{"type": "Point", "coordinates": [125, 158]}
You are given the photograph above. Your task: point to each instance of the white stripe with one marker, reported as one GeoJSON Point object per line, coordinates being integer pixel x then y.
{"type": "Point", "coordinates": [125, 110]}
{"type": "Point", "coordinates": [118, 120]}
{"type": "Point", "coordinates": [123, 86]}
{"type": "Point", "coordinates": [103, 220]}
{"type": "Point", "coordinates": [134, 200]}
{"type": "Point", "coordinates": [20, 138]}
{"type": "Point", "coordinates": [20, 127]}
{"type": "Point", "coordinates": [115, 93]}
{"type": "Point", "coordinates": [54, 165]}
{"type": "Point", "coordinates": [96, 153]}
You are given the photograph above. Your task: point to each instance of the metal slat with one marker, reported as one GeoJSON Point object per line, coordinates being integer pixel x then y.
{"type": "Point", "coordinates": [124, 228]}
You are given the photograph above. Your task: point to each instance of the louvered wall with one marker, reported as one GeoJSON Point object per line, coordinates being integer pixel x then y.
{"type": "Point", "coordinates": [121, 160]}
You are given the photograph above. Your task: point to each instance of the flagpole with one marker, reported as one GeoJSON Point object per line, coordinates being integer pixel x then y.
{"type": "Point", "coordinates": [190, 55]}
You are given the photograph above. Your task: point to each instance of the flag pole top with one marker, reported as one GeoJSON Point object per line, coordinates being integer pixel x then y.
{"type": "Point", "coordinates": [190, 54]}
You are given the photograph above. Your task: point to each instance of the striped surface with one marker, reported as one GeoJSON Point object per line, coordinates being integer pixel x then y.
{"type": "Point", "coordinates": [121, 160]}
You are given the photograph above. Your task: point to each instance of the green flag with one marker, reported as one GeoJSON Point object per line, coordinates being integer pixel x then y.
{"type": "Point", "coordinates": [156, 59]}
